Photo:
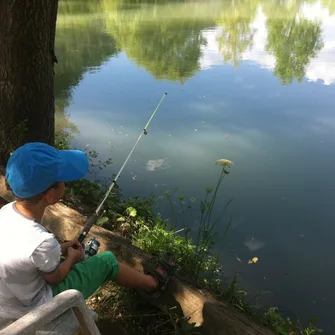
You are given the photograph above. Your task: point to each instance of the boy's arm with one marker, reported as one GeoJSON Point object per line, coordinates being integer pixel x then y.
{"type": "Point", "coordinates": [47, 259]}
{"type": "Point", "coordinates": [61, 271]}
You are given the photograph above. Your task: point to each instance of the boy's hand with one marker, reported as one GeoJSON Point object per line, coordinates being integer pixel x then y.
{"type": "Point", "coordinates": [66, 245]}
{"type": "Point", "coordinates": [75, 255]}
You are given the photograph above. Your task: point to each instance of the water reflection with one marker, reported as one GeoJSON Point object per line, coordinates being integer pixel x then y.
{"type": "Point", "coordinates": [236, 33]}
{"type": "Point", "coordinates": [292, 39]}
{"type": "Point", "coordinates": [210, 57]}
{"type": "Point", "coordinates": [164, 39]}
{"type": "Point", "coordinates": [170, 39]}
{"type": "Point", "coordinates": [295, 39]}
{"type": "Point", "coordinates": [81, 46]}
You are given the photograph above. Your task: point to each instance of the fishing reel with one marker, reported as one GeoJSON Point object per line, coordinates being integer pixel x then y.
{"type": "Point", "coordinates": [91, 248]}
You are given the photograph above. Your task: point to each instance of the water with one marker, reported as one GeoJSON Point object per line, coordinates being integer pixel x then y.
{"type": "Point", "coordinates": [250, 81]}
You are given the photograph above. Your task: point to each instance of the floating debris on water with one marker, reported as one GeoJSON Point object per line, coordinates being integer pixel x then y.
{"type": "Point", "coordinates": [154, 164]}
{"type": "Point", "coordinates": [253, 260]}
{"type": "Point", "coordinates": [239, 259]}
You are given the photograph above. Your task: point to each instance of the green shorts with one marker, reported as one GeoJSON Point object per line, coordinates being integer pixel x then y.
{"type": "Point", "coordinates": [87, 276]}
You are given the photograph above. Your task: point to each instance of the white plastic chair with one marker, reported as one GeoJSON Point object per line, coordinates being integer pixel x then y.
{"type": "Point", "coordinates": [65, 314]}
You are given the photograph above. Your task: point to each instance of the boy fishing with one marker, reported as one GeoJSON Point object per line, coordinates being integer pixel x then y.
{"type": "Point", "coordinates": [31, 270]}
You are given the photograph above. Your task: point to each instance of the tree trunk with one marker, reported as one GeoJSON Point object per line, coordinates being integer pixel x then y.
{"type": "Point", "coordinates": [27, 57]}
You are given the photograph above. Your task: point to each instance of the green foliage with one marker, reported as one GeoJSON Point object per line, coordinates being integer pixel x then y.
{"type": "Point", "coordinates": [282, 325]}
{"type": "Point", "coordinates": [312, 328]}
{"type": "Point", "coordinates": [132, 212]}
{"type": "Point", "coordinates": [277, 322]}
{"type": "Point", "coordinates": [194, 259]}
{"type": "Point", "coordinates": [158, 238]}
{"type": "Point", "coordinates": [102, 220]}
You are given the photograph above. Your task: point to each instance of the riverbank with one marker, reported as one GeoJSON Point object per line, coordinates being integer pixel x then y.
{"type": "Point", "coordinates": [135, 220]}
{"type": "Point", "coordinates": [182, 308]}
{"type": "Point", "coordinates": [131, 226]}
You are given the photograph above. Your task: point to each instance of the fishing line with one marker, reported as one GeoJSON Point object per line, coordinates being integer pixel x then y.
{"type": "Point", "coordinates": [94, 218]}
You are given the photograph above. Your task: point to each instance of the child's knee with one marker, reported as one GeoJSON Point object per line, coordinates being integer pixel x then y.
{"type": "Point", "coordinates": [112, 262]}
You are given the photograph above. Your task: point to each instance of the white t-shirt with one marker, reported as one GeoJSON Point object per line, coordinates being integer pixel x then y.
{"type": "Point", "coordinates": [27, 250]}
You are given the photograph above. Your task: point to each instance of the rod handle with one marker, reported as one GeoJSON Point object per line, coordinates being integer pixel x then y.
{"type": "Point", "coordinates": [88, 225]}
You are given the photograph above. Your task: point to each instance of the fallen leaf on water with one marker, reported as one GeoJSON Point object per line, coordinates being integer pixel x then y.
{"type": "Point", "coordinates": [253, 260]}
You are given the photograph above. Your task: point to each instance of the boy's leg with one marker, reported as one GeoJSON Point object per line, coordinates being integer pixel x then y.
{"type": "Point", "coordinates": [128, 277]}
{"type": "Point", "coordinates": [87, 276]}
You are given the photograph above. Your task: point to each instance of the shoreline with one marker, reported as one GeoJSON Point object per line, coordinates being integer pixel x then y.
{"type": "Point", "coordinates": [143, 233]}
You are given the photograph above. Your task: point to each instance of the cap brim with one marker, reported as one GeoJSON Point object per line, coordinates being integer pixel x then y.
{"type": "Point", "coordinates": [75, 165]}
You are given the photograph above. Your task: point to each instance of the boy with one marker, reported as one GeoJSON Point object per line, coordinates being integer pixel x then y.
{"type": "Point", "coordinates": [31, 272]}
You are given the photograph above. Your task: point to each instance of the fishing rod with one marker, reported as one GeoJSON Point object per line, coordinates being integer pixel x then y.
{"type": "Point", "coordinates": [94, 218]}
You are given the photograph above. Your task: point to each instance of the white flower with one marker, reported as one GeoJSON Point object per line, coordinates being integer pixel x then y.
{"type": "Point", "coordinates": [224, 162]}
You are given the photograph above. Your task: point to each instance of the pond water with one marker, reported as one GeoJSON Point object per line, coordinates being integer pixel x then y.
{"type": "Point", "coordinates": [251, 81]}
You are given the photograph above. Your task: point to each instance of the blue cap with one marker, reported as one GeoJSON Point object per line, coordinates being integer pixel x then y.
{"type": "Point", "coordinates": [34, 167]}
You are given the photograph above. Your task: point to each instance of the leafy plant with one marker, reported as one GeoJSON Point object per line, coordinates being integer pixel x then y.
{"type": "Point", "coordinates": [311, 329]}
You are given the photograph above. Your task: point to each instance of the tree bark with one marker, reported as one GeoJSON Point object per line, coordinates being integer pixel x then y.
{"type": "Point", "coordinates": [27, 57]}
